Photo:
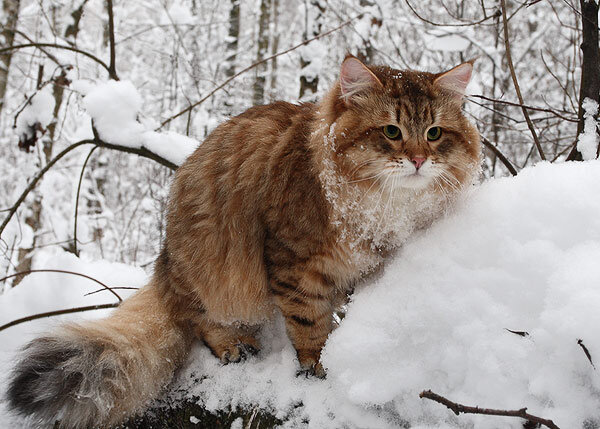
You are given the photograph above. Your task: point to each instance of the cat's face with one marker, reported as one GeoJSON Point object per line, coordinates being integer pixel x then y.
{"type": "Point", "coordinates": [404, 128]}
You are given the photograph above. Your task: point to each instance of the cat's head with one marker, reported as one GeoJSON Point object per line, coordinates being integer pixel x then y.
{"type": "Point", "coordinates": [402, 128]}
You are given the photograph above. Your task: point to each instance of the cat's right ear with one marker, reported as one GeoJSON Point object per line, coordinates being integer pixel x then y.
{"type": "Point", "coordinates": [356, 78]}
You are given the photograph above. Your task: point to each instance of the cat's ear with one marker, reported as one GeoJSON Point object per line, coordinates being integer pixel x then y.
{"type": "Point", "coordinates": [456, 79]}
{"type": "Point", "coordinates": [355, 78]}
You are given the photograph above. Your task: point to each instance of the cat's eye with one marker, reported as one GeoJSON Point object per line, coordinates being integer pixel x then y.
{"type": "Point", "coordinates": [392, 132]}
{"type": "Point", "coordinates": [434, 133]}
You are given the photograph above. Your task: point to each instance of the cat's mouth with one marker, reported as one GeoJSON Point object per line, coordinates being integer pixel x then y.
{"type": "Point", "coordinates": [415, 180]}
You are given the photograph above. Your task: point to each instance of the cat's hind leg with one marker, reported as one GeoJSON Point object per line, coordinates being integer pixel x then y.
{"type": "Point", "coordinates": [229, 343]}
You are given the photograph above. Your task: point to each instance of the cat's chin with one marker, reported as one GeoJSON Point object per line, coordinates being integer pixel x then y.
{"type": "Point", "coordinates": [414, 181]}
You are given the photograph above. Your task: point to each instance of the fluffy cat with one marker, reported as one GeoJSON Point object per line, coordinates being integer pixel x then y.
{"type": "Point", "coordinates": [283, 207]}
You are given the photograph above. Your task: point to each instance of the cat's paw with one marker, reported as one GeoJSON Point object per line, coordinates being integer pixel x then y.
{"type": "Point", "coordinates": [238, 352]}
{"type": "Point", "coordinates": [314, 370]}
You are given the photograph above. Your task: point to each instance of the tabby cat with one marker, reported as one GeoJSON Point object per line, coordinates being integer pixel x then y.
{"type": "Point", "coordinates": [286, 207]}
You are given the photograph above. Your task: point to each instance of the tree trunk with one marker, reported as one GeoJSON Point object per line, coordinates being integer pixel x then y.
{"type": "Point", "coordinates": [234, 35]}
{"type": "Point", "coordinates": [263, 47]}
{"type": "Point", "coordinates": [590, 66]}
{"type": "Point", "coordinates": [7, 37]}
{"type": "Point", "coordinates": [309, 81]}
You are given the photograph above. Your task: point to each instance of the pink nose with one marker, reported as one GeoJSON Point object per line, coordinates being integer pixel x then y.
{"type": "Point", "coordinates": [418, 161]}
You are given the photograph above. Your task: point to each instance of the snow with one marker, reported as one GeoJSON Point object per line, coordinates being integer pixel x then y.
{"type": "Point", "coordinates": [39, 110]}
{"type": "Point", "coordinates": [587, 143]}
{"type": "Point", "coordinates": [115, 106]}
{"type": "Point", "coordinates": [518, 253]}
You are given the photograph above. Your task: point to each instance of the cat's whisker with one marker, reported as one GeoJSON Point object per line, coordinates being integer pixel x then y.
{"type": "Point", "coordinates": [363, 179]}
{"type": "Point", "coordinates": [361, 165]}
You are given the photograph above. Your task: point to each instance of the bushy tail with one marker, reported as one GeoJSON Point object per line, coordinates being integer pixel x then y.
{"type": "Point", "coordinates": [99, 373]}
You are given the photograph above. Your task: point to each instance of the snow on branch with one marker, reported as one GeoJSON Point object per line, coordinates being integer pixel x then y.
{"type": "Point", "coordinates": [587, 142]}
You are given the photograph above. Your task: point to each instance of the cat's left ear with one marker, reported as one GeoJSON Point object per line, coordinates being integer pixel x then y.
{"type": "Point", "coordinates": [456, 79]}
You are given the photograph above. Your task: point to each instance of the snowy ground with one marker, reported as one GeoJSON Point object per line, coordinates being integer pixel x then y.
{"type": "Point", "coordinates": [519, 253]}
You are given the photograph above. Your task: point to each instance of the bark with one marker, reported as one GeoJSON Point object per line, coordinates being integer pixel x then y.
{"type": "Point", "coordinates": [234, 35]}
{"type": "Point", "coordinates": [7, 37]}
{"type": "Point", "coordinates": [274, 45]}
{"type": "Point", "coordinates": [590, 66]}
{"type": "Point", "coordinates": [314, 21]}
{"type": "Point", "coordinates": [263, 47]}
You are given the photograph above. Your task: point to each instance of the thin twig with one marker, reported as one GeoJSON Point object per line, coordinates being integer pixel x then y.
{"type": "Point", "coordinates": [77, 199]}
{"type": "Point", "coordinates": [464, 24]}
{"type": "Point", "coordinates": [57, 313]}
{"type": "Point", "coordinates": [586, 351]}
{"type": "Point", "coordinates": [516, 82]}
{"type": "Point", "coordinates": [537, 109]}
{"type": "Point", "coordinates": [250, 67]}
{"type": "Point", "coordinates": [113, 288]}
{"type": "Point", "coordinates": [63, 272]}
{"type": "Point", "coordinates": [459, 408]}
{"type": "Point", "coordinates": [57, 46]}
{"type": "Point", "coordinates": [500, 155]}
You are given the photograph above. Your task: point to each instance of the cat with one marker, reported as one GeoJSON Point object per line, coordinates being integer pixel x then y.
{"type": "Point", "coordinates": [286, 206]}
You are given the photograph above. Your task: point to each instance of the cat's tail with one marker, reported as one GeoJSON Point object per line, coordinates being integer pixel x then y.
{"type": "Point", "coordinates": [98, 373]}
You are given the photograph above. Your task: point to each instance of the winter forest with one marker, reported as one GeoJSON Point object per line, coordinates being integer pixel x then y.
{"type": "Point", "coordinates": [495, 306]}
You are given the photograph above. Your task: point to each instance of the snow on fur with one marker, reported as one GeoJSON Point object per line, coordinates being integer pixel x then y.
{"type": "Point", "coordinates": [519, 253]}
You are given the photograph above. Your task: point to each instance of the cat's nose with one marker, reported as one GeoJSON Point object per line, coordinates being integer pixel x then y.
{"type": "Point", "coordinates": [418, 161]}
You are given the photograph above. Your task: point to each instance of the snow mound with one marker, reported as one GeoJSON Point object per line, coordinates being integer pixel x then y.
{"type": "Point", "coordinates": [521, 254]}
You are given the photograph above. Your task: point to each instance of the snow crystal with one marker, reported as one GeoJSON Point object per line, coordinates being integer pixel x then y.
{"type": "Point", "coordinates": [587, 143]}
{"type": "Point", "coordinates": [39, 110]}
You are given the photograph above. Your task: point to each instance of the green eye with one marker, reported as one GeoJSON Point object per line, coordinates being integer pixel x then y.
{"type": "Point", "coordinates": [392, 132]}
{"type": "Point", "coordinates": [434, 133]}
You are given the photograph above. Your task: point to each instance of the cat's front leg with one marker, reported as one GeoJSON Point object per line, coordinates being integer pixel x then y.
{"type": "Point", "coordinates": [305, 300]}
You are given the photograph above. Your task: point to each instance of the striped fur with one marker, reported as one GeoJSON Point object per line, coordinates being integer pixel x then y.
{"type": "Point", "coordinates": [284, 207]}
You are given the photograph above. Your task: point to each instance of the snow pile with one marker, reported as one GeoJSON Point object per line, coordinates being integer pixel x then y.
{"type": "Point", "coordinates": [587, 143]}
{"type": "Point", "coordinates": [520, 253]}
{"type": "Point", "coordinates": [115, 106]}
{"type": "Point", "coordinates": [37, 113]}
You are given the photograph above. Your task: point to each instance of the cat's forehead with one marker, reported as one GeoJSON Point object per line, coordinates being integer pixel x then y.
{"type": "Point", "coordinates": [406, 83]}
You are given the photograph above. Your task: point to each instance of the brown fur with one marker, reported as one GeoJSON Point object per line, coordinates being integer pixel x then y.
{"type": "Point", "coordinates": [264, 215]}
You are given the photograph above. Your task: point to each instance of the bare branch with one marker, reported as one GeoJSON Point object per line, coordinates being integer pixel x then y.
{"type": "Point", "coordinates": [250, 67]}
{"type": "Point", "coordinates": [500, 155]}
{"type": "Point", "coordinates": [459, 408]}
{"type": "Point", "coordinates": [57, 46]}
{"type": "Point", "coordinates": [63, 272]}
{"type": "Point", "coordinates": [537, 109]}
{"type": "Point", "coordinates": [143, 152]}
{"type": "Point", "coordinates": [57, 313]}
{"type": "Point", "coordinates": [516, 82]}
{"type": "Point", "coordinates": [438, 24]}
{"type": "Point", "coordinates": [77, 199]}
